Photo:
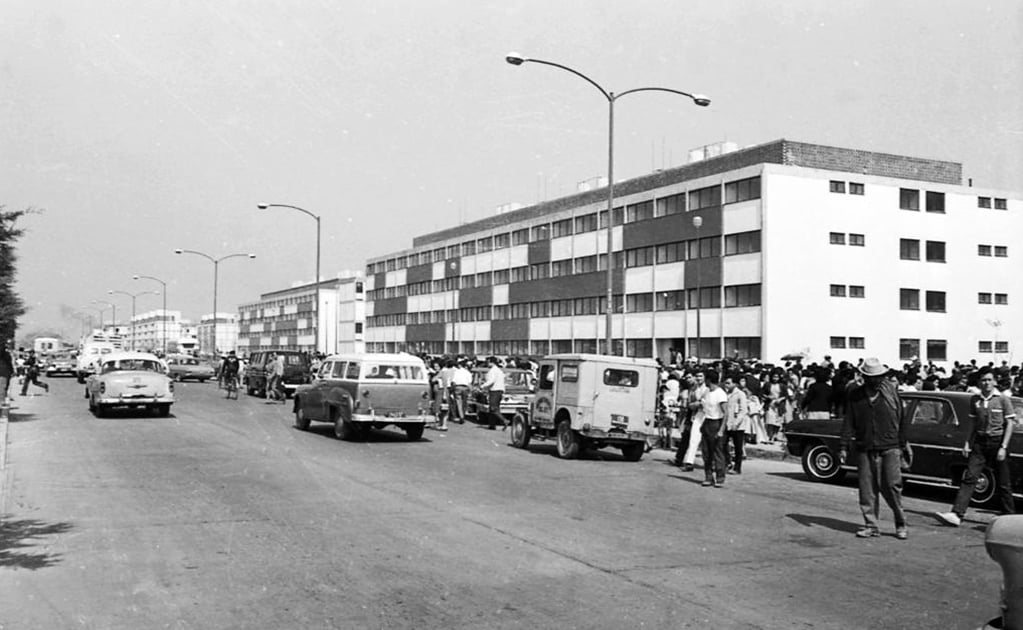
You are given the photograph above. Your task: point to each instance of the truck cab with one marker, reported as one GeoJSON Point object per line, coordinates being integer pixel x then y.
{"type": "Point", "coordinates": [592, 401]}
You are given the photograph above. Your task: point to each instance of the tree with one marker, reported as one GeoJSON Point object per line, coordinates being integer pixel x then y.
{"type": "Point", "coordinates": [11, 305]}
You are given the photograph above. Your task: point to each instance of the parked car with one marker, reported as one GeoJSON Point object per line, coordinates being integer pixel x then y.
{"type": "Point", "coordinates": [519, 386]}
{"type": "Point", "coordinates": [592, 401]}
{"type": "Point", "coordinates": [90, 355]}
{"type": "Point", "coordinates": [939, 425]}
{"type": "Point", "coordinates": [297, 371]}
{"type": "Point", "coordinates": [182, 367]}
{"type": "Point", "coordinates": [130, 379]}
{"type": "Point", "coordinates": [357, 392]}
{"type": "Point", "coordinates": [61, 363]}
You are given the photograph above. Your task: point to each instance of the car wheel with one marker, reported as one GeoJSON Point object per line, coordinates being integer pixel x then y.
{"type": "Point", "coordinates": [633, 452]}
{"type": "Point", "coordinates": [520, 432]}
{"type": "Point", "coordinates": [343, 429]}
{"type": "Point", "coordinates": [202, 380]}
{"type": "Point", "coordinates": [99, 410]}
{"type": "Point", "coordinates": [301, 421]}
{"type": "Point", "coordinates": [985, 490]}
{"type": "Point", "coordinates": [163, 410]}
{"type": "Point", "coordinates": [820, 464]}
{"type": "Point", "coordinates": [568, 442]}
{"type": "Point", "coordinates": [414, 432]}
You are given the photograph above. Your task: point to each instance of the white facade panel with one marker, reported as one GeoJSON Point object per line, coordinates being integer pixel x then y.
{"type": "Point", "coordinates": [562, 327]}
{"type": "Point", "coordinates": [395, 278]}
{"type": "Point", "coordinates": [561, 248]}
{"type": "Point", "coordinates": [741, 269]}
{"type": "Point", "coordinates": [484, 263]}
{"type": "Point", "coordinates": [518, 256]}
{"type": "Point", "coordinates": [481, 331]}
{"type": "Point", "coordinates": [670, 277]}
{"type": "Point", "coordinates": [741, 322]}
{"type": "Point", "coordinates": [639, 279]}
{"type": "Point", "coordinates": [741, 217]}
{"type": "Point", "coordinates": [587, 327]}
{"type": "Point", "coordinates": [584, 244]}
{"type": "Point", "coordinates": [502, 258]}
{"type": "Point", "coordinates": [670, 325]}
{"type": "Point", "coordinates": [468, 266]}
{"type": "Point", "coordinates": [539, 328]}
{"type": "Point", "coordinates": [500, 294]}
{"type": "Point", "coordinates": [637, 326]}
{"type": "Point", "coordinates": [438, 270]}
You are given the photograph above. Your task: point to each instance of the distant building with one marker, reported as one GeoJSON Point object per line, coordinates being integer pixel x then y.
{"type": "Point", "coordinates": [154, 329]}
{"type": "Point", "coordinates": [800, 248]}
{"type": "Point", "coordinates": [284, 319]}
{"type": "Point", "coordinates": [226, 331]}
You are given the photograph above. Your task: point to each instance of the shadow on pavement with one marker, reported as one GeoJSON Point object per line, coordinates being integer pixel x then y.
{"type": "Point", "coordinates": [16, 535]}
{"type": "Point", "coordinates": [387, 435]}
{"type": "Point", "coordinates": [808, 520]}
{"type": "Point", "coordinates": [21, 417]}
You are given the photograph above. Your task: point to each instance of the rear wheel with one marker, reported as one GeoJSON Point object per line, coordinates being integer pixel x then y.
{"type": "Point", "coordinates": [633, 452]}
{"type": "Point", "coordinates": [163, 410]}
{"type": "Point", "coordinates": [343, 428]}
{"type": "Point", "coordinates": [98, 409]}
{"type": "Point", "coordinates": [985, 490]}
{"type": "Point", "coordinates": [821, 464]}
{"type": "Point", "coordinates": [414, 432]}
{"type": "Point", "coordinates": [301, 421]}
{"type": "Point", "coordinates": [520, 432]}
{"type": "Point", "coordinates": [568, 441]}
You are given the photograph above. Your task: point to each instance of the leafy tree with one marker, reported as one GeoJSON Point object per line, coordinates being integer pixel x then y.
{"type": "Point", "coordinates": [11, 305]}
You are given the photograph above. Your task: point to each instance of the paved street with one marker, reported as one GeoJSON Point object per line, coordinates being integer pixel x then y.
{"type": "Point", "coordinates": [225, 516]}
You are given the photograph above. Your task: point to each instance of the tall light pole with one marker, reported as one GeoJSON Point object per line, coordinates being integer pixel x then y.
{"type": "Point", "coordinates": [697, 223]}
{"type": "Point", "coordinates": [516, 59]}
{"type": "Point", "coordinates": [113, 313]}
{"type": "Point", "coordinates": [132, 296]}
{"type": "Point", "coordinates": [316, 333]}
{"type": "Point", "coordinates": [216, 267]}
{"type": "Point", "coordinates": [164, 316]}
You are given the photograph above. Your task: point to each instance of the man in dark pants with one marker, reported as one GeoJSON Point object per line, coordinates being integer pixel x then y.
{"type": "Point", "coordinates": [874, 418]}
{"type": "Point", "coordinates": [494, 386]}
{"type": "Point", "coordinates": [988, 445]}
{"type": "Point", "coordinates": [32, 374]}
{"type": "Point", "coordinates": [715, 407]}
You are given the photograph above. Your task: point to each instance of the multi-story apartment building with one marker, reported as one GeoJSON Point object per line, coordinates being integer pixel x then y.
{"type": "Point", "coordinates": [226, 331]}
{"type": "Point", "coordinates": [798, 248]}
{"type": "Point", "coordinates": [284, 319]}
{"type": "Point", "coordinates": [153, 330]}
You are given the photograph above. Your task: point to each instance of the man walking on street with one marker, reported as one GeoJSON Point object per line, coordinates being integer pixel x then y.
{"type": "Point", "coordinates": [696, 392]}
{"type": "Point", "coordinates": [988, 445]}
{"type": "Point", "coordinates": [32, 374]}
{"type": "Point", "coordinates": [6, 371]}
{"type": "Point", "coordinates": [461, 381]}
{"type": "Point", "coordinates": [714, 407]}
{"type": "Point", "coordinates": [494, 386]}
{"type": "Point", "coordinates": [874, 419]}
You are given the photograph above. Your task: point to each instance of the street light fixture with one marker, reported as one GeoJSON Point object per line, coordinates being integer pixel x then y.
{"type": "Point", "coordinates": [133, 296]}
{"type": "Point", "coordinates": [216, 267]}
{"type": "Point", "coordinates": [516, 59]}
{"type": "Point", "coordinates": [316, 330]}
{"type": "Point", "coordinates": [164, 316]}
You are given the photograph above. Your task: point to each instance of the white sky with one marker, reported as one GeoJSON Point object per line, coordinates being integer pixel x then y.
{"type": "Point", "coordinates": [141, 126]}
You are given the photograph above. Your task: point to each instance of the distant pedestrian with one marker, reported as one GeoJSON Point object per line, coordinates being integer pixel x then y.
{"type": "Point", "coordinates": [737, 425]}
{"type": "Point", "coordinates": [494, 386]}
{"type": "Point", "coordinates": [274, 371]}
{"type": "Point", "coordinates": [714, 405]}
{"type": "Point", "coordinates": [988, 446]}
{"type": "Point", "coordinates": [32, 374]}
{"type": "Point", "coordinates": [876, 424]}
{"type": "Point", "coordinates": [461, 382]}
{"type": "Point", "coordinates": [6, 371]}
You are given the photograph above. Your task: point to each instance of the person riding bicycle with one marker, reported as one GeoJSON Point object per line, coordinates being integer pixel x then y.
{"type": "Point", "coordinates": [229, 370]}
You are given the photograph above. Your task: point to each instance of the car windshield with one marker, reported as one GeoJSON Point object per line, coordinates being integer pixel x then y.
{"type": "Point", "coordinates": [144, 365]}
{"type": "Point", "coordinates": [294, 359]}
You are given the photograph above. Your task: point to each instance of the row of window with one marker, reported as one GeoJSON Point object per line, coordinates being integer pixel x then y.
{"type": "Point", "coordinates": [856, 343]}
{"type": "Point", "coordinates": [855, 188]}
{"type": "Point", "coordinates": [1000, 347]}
{"type": "Point", "coordinates": [735, 191]}
{"type": "Point", "coordinates": [909, 199]}
{"type": "Point", "coordinates": [999, 203]}
{"type": "Point", "coordinates": [909, 350]}
{"type": "Point", "coordinates": [909, 249]}
{"type": "Point", "coordinates": [838, 238]}
{"type": "Point", "coordinates": [1001, 299]}
{"type": "Point", "coordinates": [741, 347]}
{"type": "Point", "coordinates": [854, 291]}
{"type": "Point", "coordinates": [909, 300]}
{"type": "Point", "coordinates": [1000, 251]}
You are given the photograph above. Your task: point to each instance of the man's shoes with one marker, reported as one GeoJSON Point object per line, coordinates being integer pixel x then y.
{"type": "Point", "coordinates": [949, 518]}
{"type": "Point", "coordinates": [868, 532]}
{"type": "Point", "coordinates": [901, 533]}
{"type": "Point", "coordinates": [687, 468]}
{"type": "Point", "coordinates": [707, 483]}
{"type": "Point", "coordinates": [719, 484]}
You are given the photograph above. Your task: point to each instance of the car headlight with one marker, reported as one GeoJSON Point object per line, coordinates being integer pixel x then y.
{"type": "Point", "coordinates": [102, 388]}
{"type": "Point", "coordinates": [170, 386]}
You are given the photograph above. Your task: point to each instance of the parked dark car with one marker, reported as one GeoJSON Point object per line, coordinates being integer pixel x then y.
{"type": "Point", "coordinates": [297, 371]}
{"type": "Point", "coordinates": [939, 425]}
{"type": "Point", "coordinates": [182, 367]}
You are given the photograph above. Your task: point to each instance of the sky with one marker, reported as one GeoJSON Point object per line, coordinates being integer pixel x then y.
{"type": "Point", "coordinates": [136, 127]}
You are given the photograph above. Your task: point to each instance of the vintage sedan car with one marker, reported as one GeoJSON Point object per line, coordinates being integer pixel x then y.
{"type": "Point", "coordinates": [182, 367]}
{"type": "Point", "coordinates": [62, 363]}
{"type": "Point", "coordinates": [519, 388]}
{"type": "Point", "coordinates": [130, 379]}
{"type": "Point", "coordinates": [297, 371]}
{"type": "Point", "coordinates": [360, 391]}
{"type": "Point", "coordinates": [939, 425]}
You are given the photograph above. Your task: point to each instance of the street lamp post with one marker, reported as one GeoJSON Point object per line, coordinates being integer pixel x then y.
{"type": "Point", "coordinates": [316, 330]}
{"type": "Point", "coordinates": [516, 59]}
{"type": "Point", "coordinates": [697, 223]}
{"type": "Point", "coordinates": [216, 267]}
{"type": "Point", "coordinates": [113, 313]}
{"type": "Point", "coordinates": [132, 296]}
{"type": "Point", "coordinates": [164, 316]}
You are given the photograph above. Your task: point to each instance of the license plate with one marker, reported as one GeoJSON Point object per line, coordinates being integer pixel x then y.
{"type": "Point", "coordinates": [619, 419]}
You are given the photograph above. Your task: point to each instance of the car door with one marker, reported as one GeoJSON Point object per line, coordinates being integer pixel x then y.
{"type": "Point", "coordinates": [311, 399]}
{"type": "Point", "coordinates": [936, 435]}
{"type": "Point", "coordinates": [543, 404]}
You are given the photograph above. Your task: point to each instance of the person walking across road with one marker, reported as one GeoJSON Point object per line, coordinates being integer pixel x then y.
{"type": "Point", "coordinates": [988, 445]}
{"type": "Point", "coordinates": [876, 424]}
{"type": "Point", "coordinates": [494, 386]}
{"type": "Point", "coordinates": [737, 425]}
{"type": "Point", "coordinates": [696, 392]}
{"type": "Point", "coordinates": [32, 374]}
{"type": "Point", "coordinates": [461, 381]}
{"type": "Point", "coordinates": [712, 429]}
{"type": "Point", "coordinates": [6, 371]}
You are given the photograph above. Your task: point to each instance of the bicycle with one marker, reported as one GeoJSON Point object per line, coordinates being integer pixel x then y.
{"type": "Point", "coordinates": [231, 385]}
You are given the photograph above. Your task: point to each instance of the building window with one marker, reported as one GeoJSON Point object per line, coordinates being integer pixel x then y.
{"type": "Point", "coordinates": [935, 301]}
{"type": "Point", "coordinates": [1001, 204]}
{"type": "Point", "coordinates": [742, 190]}
{"type": "Point", "coordinates": [742, 243]}
{"type": "Point", "coordinates": [742, 347]}
{"type": "Point", "coordinates": [539, 271]}
{"type": "Point", "coordinates": [937, 350]}
{"type": "Point", "coordinates": [639, 303]}
{"type": "Point", "coordinates": [857, 291]}
{"type": "Point", "coordinates": [1002, 299]}
{"type": "Point", "coordinates": [909, 349]}
{"type": "Point", "coordinates": [709, 197]}
{"type": "Point", "coordinates": [837, 238]}
{"type": "Point", "coordinates": [855, 188]}
{"type": "Point", "coordinates": [935, 201]}
{"type": "Point", "coordinates": [909, 249]}
{"type": "Point", "coordinates": [586, 306]}
{"type": "Point", "coordinates": [742, 295]}
{"type": "Point", "coordinates": [857, 343]}
{"type": "Point", "coordinates": [501, 276]}
{"type": "Point", "coordinates": [985, 346]}
{"type": "Point", "coordinates": [586, 264]}
{"type": "Point", "coordinates": [586, 223]}
{"type": "Point", "coordinates": [1002, 347]}
{"type": "Point", "coordinates": [1001, 251]}
{"type": "Point", "coordinates": [709, 247]}
{"type": "Point", "coordinates": [502, 241]}
{"type": "Point", "coordinates": [670, 252]}
{"type": "Point", "coordinates": [983, 202]}
{"type": "Point", "coordinates": [639, 211]}
{"type": "Point", "coordinates": [519, 274]}
{"type": "Point", "coordinates": [936, 251]}
{"type": "Point", "coordinates": [909, 299]}
{"type": "Point", "coordinates": [561, 228]}
{"type": "Point", "coordinates": [670, 301]}
{"type": "Point", "coordinates": [520, 237]}
{"type": "Point", "coordinates": [983, 250]}
{"type": "Point", "coordinates": [540, 233]}
{"type": "Point", "coordinates": [561, 308]}
{"type": "Point", "coordinates": [485, 244]}
{"type": "Point", "coordinates": [837, 186]}
{"type": "Point", "coordinates": [710, 297]}
{"type": "Point", "coordinates": [909, 199]}
{"type": "Point", "coordinates": [838, 290]}
{"type": "Point", "coordinates": [857, 240]}
{"type": "Point", "coordinates": [561, 268]}
{"type": "Point", "coordinates": [617, 213]}
{"type": "Point", "coordinates": [983, 298]}
{"type": "Point", "coordinates": [673, 204]}
{"type": "Point", "coordinates": [838, 342]}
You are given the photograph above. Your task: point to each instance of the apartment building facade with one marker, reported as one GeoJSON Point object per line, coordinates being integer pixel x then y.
{"type": "Point", "coordinates": [797, 248]}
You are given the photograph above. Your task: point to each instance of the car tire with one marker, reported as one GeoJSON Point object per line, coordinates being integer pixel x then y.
{"type": "Point", "coordinates": [986, 490]}
{"type": "Point", "coordinates": [343, 429]}
{"type": "Point", "coordinates": [569, 443]}
{"type": "Point", "coordinates": [99, 410]}
{"type": "Point", "coordinates": [414, 432]}
{"type": "Point", "coordinates": [633, 452]}
{"type": "Point", "coordinates": [301, 421]}
{"type": "Point", "coordinates": [821, 465]}
{"type": "Point", "coordinates": [163, 410]}
{"type": "Point", "coordinates": [520, 431]}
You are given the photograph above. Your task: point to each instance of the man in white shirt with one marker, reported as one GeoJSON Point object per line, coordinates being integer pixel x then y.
{"type": "Point", "coordinates": [461, 381]}
{"type": "Point", "coordinates": [494, 386]}
{"type": "Point", "coordinates": [696, 393]}
{"type": "Point", "coordinates": [714, 405]}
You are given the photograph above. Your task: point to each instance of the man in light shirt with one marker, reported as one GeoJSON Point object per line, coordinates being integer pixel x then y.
{"type": "Point", "coordinates": [494, 386]}
{"type": "Point", "coordinates": [714, 407]}
{"type": "Point", "coordinates": [461, 381]}
{"type": "Point", "coordinates": [696, 393]}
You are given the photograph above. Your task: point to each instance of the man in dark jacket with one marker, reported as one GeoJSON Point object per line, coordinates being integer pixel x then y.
{"type": "Point", "coordinates": [874, 419]}
{"type": "Point", "coordinates": [6, 371]}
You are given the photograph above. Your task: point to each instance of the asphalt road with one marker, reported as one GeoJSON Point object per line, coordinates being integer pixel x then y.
{"type": "Point", "coordinates": [225, 516]}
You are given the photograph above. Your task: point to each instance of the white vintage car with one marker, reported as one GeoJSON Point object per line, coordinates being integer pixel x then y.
{"type": "Point", "coordinates": [130, 379]}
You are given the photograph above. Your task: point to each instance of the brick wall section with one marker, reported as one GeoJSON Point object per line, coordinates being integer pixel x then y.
{"type": "Point", "coordinates": [776, 152]}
